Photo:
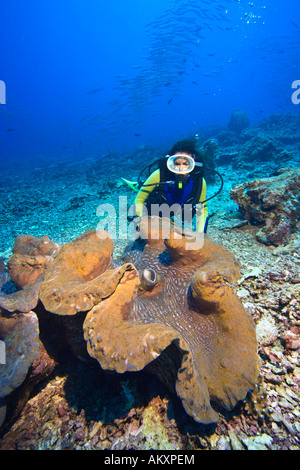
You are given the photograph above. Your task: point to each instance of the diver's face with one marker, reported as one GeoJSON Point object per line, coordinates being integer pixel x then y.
{"type": "Point", "coordinates": [181, 163]}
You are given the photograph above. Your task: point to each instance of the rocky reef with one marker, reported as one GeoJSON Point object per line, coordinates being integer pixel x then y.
{"type": "Point", "coordinates": [68, 400]}
{"type": "Point", "coordinates": [273, 204]}
{"type": "Point", "coordinates": [284, 128]}
{"type": "Point", "coordinates": [80, 406]}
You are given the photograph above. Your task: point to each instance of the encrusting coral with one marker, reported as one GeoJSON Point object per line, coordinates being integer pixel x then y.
{"type": "Point", "coordinates": [167, 304]}
{"type": "Point", "coordinates": [80, 277]}
{"type": "Point", "coordinates": [22, 300]}
{"type": "Point", "coordinates": [26, 267]}
{"type": "Point", "coordinates": [31, 256]}
{"type": "Point", "coordinates": [71, 283]}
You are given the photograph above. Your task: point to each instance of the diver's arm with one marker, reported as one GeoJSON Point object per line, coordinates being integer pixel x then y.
{"type": "Point", "coordinates": [202, 211]}
{"type": "Point", "coordinates": [154, 179]}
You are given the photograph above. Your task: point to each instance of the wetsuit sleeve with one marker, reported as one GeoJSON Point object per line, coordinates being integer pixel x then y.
{"type": "Point", "coordinates": [202, 212]}
{"type": "Point", "coordinates": [145, 190]}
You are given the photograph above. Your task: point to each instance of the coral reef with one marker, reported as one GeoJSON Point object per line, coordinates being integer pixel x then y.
{"type": "Point", "coordinates": [282, 127]}
{"type": "Point", "coordinates": [81, 406]}
{"type": "Point", "coordinates": [165, 304]}
{"type": "Point", "coordinates": [258, 148]}
{"type": "Point", "coordinates": [272, 203]}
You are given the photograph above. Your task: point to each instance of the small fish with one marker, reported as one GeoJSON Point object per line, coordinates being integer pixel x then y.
{"type": "Point", "coordinates": [170, 100]}
{"type": "Point", "coordinates": [94, 90]}
{"type": "Point", "coordinates": [10, 129]}
{"type": "Point", "coordinates": [295, 24]}
{"type": "Point", "coordinates": [209, 27]}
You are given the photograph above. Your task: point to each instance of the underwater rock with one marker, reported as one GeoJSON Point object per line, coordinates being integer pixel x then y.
{"type": "Point", "coordinates": [228, 140]}
{"type": "Point", "coordinates": [26, 362]}
{"type": "Point", "coordinates": [272, 203]}
{"type": "Point", "coordinates": [266, 331]}
{"type": "Point", "coordinates": [291, 338]}
{"type": "Point", "coordinates": [239, 121]}
{"type": "Point", "coordinates": [13, 404]}
{"type": "Point", "coordinates": [258, 148]}
{"type": "Point", "coordinates": [20, 333]}
{"type": "Point", "coordinates": [284, 128]}
{"type": "Point", "coordinates": [186, 321]}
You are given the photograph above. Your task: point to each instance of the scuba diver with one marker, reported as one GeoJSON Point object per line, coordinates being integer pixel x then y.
{"type": "Point", "coordinates": [177, 182]}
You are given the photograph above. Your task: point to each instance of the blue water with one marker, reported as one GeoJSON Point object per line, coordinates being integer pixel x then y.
{"type": "Point", "coordinates": [89, 76]}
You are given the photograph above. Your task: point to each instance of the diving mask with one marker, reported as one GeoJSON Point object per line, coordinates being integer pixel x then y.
{"type": "Point", "coordinates": [173, 164]}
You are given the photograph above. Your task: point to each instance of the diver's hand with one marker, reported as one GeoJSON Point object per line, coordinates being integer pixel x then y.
{"type": "Point", "coordinates": [136, 221]}
{"type": "Point", "coordinates": [134, 218]}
